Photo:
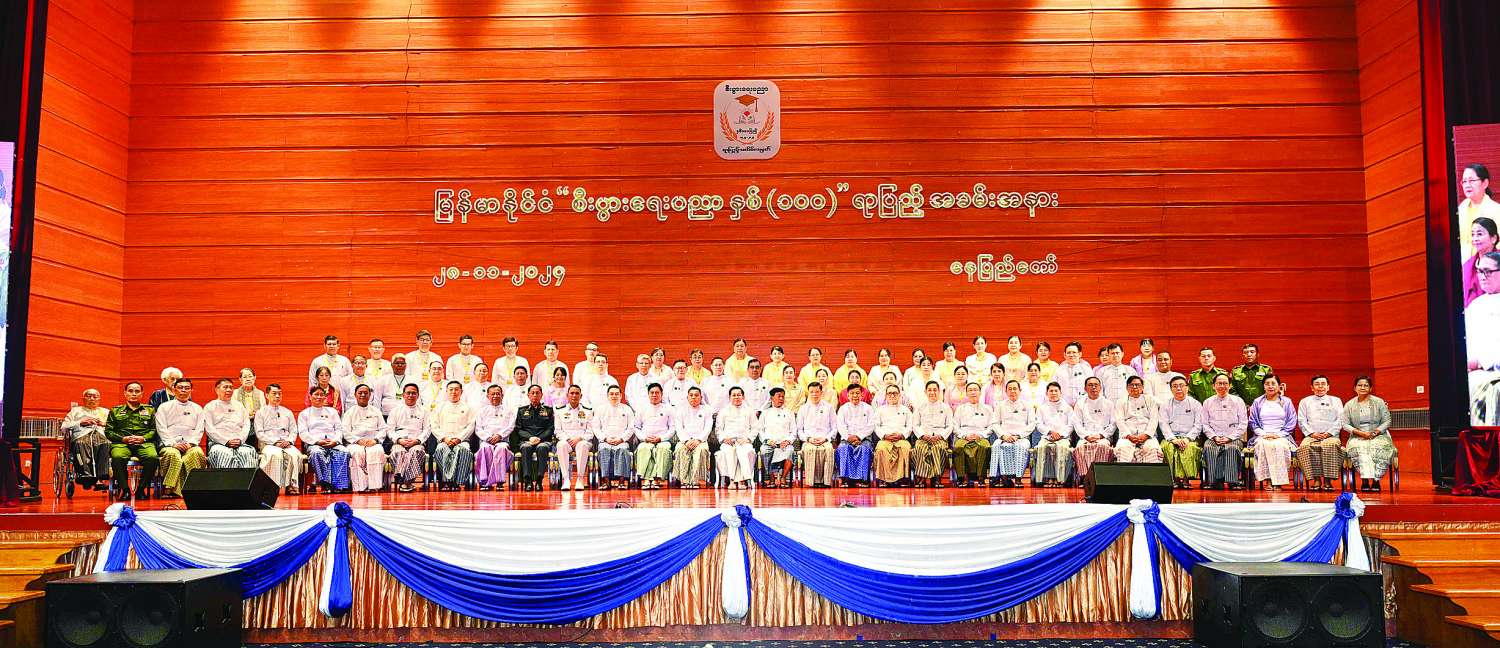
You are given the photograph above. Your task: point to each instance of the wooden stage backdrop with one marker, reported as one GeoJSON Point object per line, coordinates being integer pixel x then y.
{"type": "Point", "coordinates": [226, 181]}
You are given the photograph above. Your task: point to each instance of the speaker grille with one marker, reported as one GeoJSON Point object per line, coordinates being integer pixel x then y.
{"type": "Point", "coordinates": [1344, 611]}
{"type": "Point", "coordinates": [1278, 610]}
{"type": "Point", "coordinates": [147, 617]}
{"type": "Point", "coordinates": [80, 618]}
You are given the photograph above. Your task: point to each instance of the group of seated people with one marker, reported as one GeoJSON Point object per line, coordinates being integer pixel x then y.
{"type": "Point", "coordinates": [370, 422]}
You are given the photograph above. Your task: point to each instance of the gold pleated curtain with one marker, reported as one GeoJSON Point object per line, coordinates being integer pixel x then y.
{"type": "Point", "coordinates": [1098, 593]}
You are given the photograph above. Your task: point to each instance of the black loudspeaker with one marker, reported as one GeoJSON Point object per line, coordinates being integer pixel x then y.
{"type": "Point", "coordinates": [229, 488]}
{"type": "Point", "coordinates": [1303, 605]}
{"type": "Point", "coordinates": [146, 608]}
{"type": "Point", "coordinates": [1118, 483]}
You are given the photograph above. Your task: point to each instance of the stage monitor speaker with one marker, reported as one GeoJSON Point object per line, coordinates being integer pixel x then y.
{"type": "Point", "coordinates": [229, 488]}
{"type": "Point", "coordinates": [1302, 605]}
{"type": "Point", "coordinates": [1118, 483]}
{"type": "Point", "coordinates": [146, 608]}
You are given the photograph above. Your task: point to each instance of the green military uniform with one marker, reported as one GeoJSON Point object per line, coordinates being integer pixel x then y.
{"type": "Point", "coordinates": [123, 422]}
{"type": "Point", "coordinates": [533, 421]}
{"type": "Point", "coordinates": [1249, 381]}
{"type": "Point", "coordinates": [1201, 383]}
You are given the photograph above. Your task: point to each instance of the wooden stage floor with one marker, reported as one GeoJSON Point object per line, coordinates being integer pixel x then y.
{"type": "Point", "coordinates": [1415, 502]}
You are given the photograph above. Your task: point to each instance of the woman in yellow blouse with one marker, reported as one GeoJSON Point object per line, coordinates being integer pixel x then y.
{"type": "Point", "coordinates": [787, 378]}
{"type": "Point", "coordinates": [696, 371]}
{"type": "Point", "coordinates": [944, 368]}
{"type": "Point", "coordinates": [1014, 361]}
{"type": "Point", "coordinates": [841, 375]}
{"type": "Point", "coordinates": [809, 371]}
{"type": "Point", "coordinates": [737, 365]}
{"type": "Point", "coordinates": [776, 367]}
{"type": "Point", "coordinates": [1045, 361]}
{"type": "Point", "coordinates": [822, 377]}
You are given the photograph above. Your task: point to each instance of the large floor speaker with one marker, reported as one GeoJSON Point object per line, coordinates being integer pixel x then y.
{"type": "Point", "coordinates": [1118, 483]}
{"type": "Point", "coordinates": [146, 608]}
{"type": "Point", "coordinates": [1304, 605]}
{"type": "Point", "coordinates": [229, 488]}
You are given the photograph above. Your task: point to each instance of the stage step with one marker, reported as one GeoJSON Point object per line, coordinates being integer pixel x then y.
{"type": "Point", "coordinates": [1489, 625]}
{"type": "Point", "coordinates": [35, 552]}
{"type": "Point", "coordinates": [8, 599]}
{"type": "Point", "coordinates": [1434, 584]}
{"type": "Point", "coordinates": [24, 610]}
{"type": "Point", "coordinates": [30, 577]}
{"type": "Point", "coordinates": [1452, 572]}
{"type": "Point", "coordinates": [1478, 601]}
{"type": "Point", "coordinates": [1440, 544]}
{"type": "Point", "coordinates": [27, 567]}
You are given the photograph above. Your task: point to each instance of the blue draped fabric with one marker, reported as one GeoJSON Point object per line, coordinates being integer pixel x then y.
{"type": "Point", "coordinates": [1152, 515]}
{"type": "Point", "coordinates": [119, 547]}
{"type": "Point", "coordinates": [935, 599]}
{"type": "Point", "coordinates": [743, 513]}
{"type": "Point", "coordinates": [337, 596]}
{"type": "Point", "coordinates": [552, 597]}
{"type": "Point", "coordinates": [570, 595]}
{"type": "Point", "coordinates": [260, 574]}
{"type": "Point", "coordinates": [1323, 547]}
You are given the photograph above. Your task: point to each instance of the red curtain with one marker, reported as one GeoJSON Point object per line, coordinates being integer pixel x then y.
{"type": "Point", "coordinates": [1477, 470]}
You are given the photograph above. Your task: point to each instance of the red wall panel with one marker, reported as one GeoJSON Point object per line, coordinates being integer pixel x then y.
{"type": "Point", "coordinates": [283, 158]}
{"type": "Point", "coordinates": [1391, 110]}
{"type": "Point", "coordinates": [78, 273]}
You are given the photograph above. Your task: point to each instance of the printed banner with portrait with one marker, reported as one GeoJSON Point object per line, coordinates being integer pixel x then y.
{"type": "Point", "coordinates": [1476, 149]}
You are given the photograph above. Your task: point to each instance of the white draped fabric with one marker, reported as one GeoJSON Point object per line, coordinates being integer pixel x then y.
{"type": "Point", "coordinates": [911, 541]}
{"type": "Point", "coordinates": [219, 538]}
{"type": "Point", "coordinates": [735, 586]}
{"type": "Point", "coordinates": [1236, 533]}
{"type": "Point", "coordinates": [1240, 533]}
{"type": "Point", "coordinates": [935, 540]}
{"type": "Point", "coordinates": [532, 542]}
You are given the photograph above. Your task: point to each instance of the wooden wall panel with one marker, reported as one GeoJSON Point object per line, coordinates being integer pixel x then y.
{"type": "Point", "coordinates": [233, 132]}
{"type": "Point", "coordinates": [283, 157]}
{"type": "Point", "coordinates": [78, 278]}
{"type": "Point", "coordinates": [1225, 191]}
{"type": "Point", "coordinates": [1391, 116]}
{"type": "Point", "coordinates": [387, 9]}
{"type": "Point", "coordinates": [613, 29]}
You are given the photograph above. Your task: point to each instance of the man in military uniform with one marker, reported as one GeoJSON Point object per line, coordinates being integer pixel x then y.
{"type": "Point", "coordinates": [575, 436]}
{"type": "Point", "coordinates": [131, 430]}
{"type": "Point", "coordinates": [1201, 381]}
{"type": "Point", "coordinates": [1249, 379]}
{"type": "Point", "coordinates": [532, 439]}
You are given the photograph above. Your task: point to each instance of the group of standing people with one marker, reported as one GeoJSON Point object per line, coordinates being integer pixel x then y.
{"type": "Point", "coordinates": [369, 421]}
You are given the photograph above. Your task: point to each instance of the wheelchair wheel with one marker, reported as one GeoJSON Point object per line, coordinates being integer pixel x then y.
{"type": "Point", "coordinates": [60, 477]}
{"type": "Point", "coordinates": [68, 490]}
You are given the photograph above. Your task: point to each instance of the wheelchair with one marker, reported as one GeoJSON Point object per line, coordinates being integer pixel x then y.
{"type": "Point", "coordinates": [64, 473]}
{"type": "Point", "coordinates": [65, 470]}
